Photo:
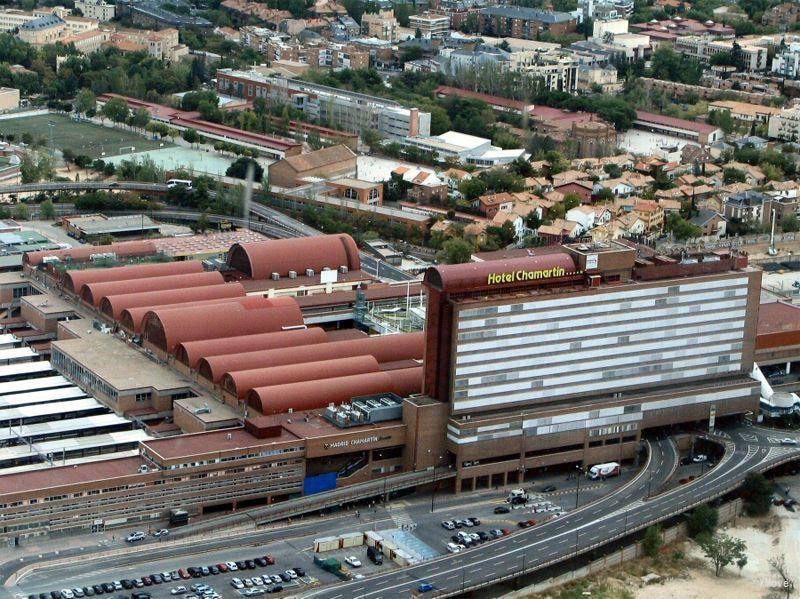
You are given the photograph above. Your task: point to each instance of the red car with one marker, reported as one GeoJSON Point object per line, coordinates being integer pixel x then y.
{"type": "Point", "coordinates": [270, 560]}
{"type": "Point", "coordinates": [184, 573]}
{"type": "Point", "coordinates": [506, 531]}
{"type": "Point", "coordinates": [531, 522]}
{"type": "Point", "coordinates": [222, 567]}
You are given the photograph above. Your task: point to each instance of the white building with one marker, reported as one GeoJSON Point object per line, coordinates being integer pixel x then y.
{"type": "Point", "coordinates": [467, 149]}
{"type": "Point", "coordinates": [786, 125]}
{"type": "Point", "coordinates": [430, 25]}
{"type": "Point", "coordinates": [96, 9]}
{"type": "Point", "coordinates": [787, 63]}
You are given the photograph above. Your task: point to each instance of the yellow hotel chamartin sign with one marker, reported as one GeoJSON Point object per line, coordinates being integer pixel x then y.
{"type": "Point", "coordinates": [518, 276]}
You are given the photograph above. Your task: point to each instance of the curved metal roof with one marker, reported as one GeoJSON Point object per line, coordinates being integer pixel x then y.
{"type": "Point", "coordinates": [309, 395]}
{"type": "Point", "coordinates": [240, 382]}
{"type": "Point", "coordinates": [113, 305]}
{"type": "Point", "coordinates": [165, 328]}
{"type": "Point", "coordinates": [260, 259]}
{"type": "Point", "coordinates": [74, 280]}
{"type": "Point", "coordinates": [83, 253]}
{"type": "Point", "coordinates": [384, 348]}
{"type": "Point", "coordinates": [190, 352]}
{"type": "Point", "coordinates": [93, 293]}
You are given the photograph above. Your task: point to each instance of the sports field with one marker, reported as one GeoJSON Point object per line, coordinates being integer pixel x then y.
{"type": "Point", "coordinates": [81, 137]}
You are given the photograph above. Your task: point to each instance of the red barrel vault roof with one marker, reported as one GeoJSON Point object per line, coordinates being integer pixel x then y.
{"type": "Point", "coordinates": [93, 293]}
{"type": "Point", "coordinates": [240, 382]}
{"type": "Point", "coordinates": [309, 395]}
{"type": "Point", "coordinates": [74, 280]}
{"type": "Point", "coordinates": [83, 253]}
{"type": "Point", "coordinates": [113, 305]}
{"type": "Point", "coordinates": [262, 258]}
{"type": "Point", "coordinates": [190, 352]}
{"type": "Point", "coordinates": [165, 328]}
{"type": "Point", "coordinates": [384, 348]}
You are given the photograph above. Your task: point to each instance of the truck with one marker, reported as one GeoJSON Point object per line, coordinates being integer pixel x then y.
{"type": "Point", "coordinates": [603, 470]}
{"type": "Point", "coordinates": [517, 497]}
{"type": "Point", "coordinates": [329, 564]}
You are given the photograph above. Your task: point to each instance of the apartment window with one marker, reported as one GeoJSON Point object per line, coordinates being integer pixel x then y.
{"type": "Point", "coordinates": [140, 397]}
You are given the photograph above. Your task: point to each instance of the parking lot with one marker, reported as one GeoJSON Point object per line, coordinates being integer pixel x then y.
{"type": "Point", "coordinates": [413, 522]}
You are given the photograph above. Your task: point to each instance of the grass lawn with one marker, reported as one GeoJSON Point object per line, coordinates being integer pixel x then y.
{"type": "Point", "coordinates": [81, 137]}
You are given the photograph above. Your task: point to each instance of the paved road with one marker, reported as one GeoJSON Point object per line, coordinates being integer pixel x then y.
{"type": "Point", "coordinates": [83, 186]}
{"type": "Point", "coordinates": [629, 509]}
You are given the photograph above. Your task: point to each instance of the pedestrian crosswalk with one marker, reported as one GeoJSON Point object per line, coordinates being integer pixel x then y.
{"type": "Point", "coordinates": [401, 518]}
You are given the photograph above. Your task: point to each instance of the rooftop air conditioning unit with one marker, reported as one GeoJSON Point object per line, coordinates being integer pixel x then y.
{"type": "Point", "coordinates": [143, 469]}
{"type": "Point", "coordinates": [343, 269]}
{"type": "Point", "coordinates": [275, 276]}
{"type": "Point", "coordinates": [292, 274]}
{"type": "Point", "coordinates": [309, 272]}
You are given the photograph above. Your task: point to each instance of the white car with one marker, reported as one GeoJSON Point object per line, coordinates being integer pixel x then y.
{"type": "Point", "coordinates": [788, 441]}
{"type": "Point", "coordinates": [700, 457]}
{"type": "Point", "coordinates": [236, 583]}
{"type": "Point", "coordinates": [161, 533]}
{"type": "Point", "coordinates": [292, 574]}
{"type": "Point", "coordinates": [276, 579]}
{"type": "Point", "coordinates": [232, 566]}
{"type": "Point", "coordinates": [178, 590]}
{"type": "Point", "coordinates": [256, 580]}
{"type": "Point", "coordinates": [67, 594]}
{"type": "Point", "coordinates": [352, 561]}
{"type": "Point", "coordinates": [448, 525]}
{"type": "Point", "coordinates": [135, 536]}
{"type": "Point", "coordinates": [454, 547]}
{"type": "Point", "coordinates": [467, 523]}
{"type": "Point", "coordinates": [358, 577]}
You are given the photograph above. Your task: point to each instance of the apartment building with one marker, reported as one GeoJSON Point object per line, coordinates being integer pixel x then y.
{"type": "Point", "coordinates": [430, 25]}
{"type": "Point", "coordinates": [381, 25]}
{"type": "Point", "coordinates": [786, 125]}
{"type": "Point", "coordinates": [752, 55]}
{"type": "Point", "coordinates": [744, 111]}
{"type": "Point", "coordinates": [524, 23]}
{"type": "Point", "coordinates": [163, 44]}
{"type": "Point", "coordinates": [786, 62]}
{"type": "Point", "coordinates": [349, 111]}
{"type": "Point", "coordinates": [96, 9]}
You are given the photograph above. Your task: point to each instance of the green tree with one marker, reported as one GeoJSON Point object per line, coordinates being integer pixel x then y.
{"type": "Point", "coordinates": [116, 110]}
{"type": "Point", "coordinates": [140, 118]}
{"type": "Point", "coordinates": [652, 540]}
{"type": "Point", "coordinates": [702, 521]}
{"type": "Point", "coordinates": [47, 211]}
{"type": "Point", "coordinates": [203, 223]}
{"type": "Point", "coordinates": [85, 101]}
{"type": "Point", "coordinates": [571, 200]}
{"type": "Point", "coordinates": [21, 211]}
{"type": "Point", "coordinates": [106, 239]}
{"type": "Point", "coordinates": [191, 136]}
{"type": "Point", "coordinates": [790, 224]}
{"type": "Point", "coordinates": [456, 251]}
{"type": "Point", "coordinates": [681, 228]}
{"type": "Point", "coordinates": [757, 494]}
{"type": "Point", "coordinates": [733, 175]}
{"type": "Point", "coordinates": [239, 168]}
{"type": "Point", "coordinates": [723, 551]}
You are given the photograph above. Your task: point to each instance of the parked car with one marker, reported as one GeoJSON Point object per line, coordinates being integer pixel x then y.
{"type": "Point", "coordinates": [162, 532]}
{"type": "Point", "coordinates": [299, 571]}
{"type": "Point", "coordinates": [448, 525]}
{"type": "Point", "coordinates": [454, 547]}
{"type": "Point", "coordinates": [700, 457]}
{"type": "Point", "coordinates": [475, 521]}
{"type": "Point", "coordinates": [352, 561]}
{"type": "Point", "coordinates": [788, 441]}
{"type": "Point", "coordinates": [178, 590]}
{"type": "Point", "coordinates": [134, 537]}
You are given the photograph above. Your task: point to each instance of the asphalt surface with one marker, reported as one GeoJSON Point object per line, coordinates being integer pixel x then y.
{"type": "Point", "coordinates": [629, 508]}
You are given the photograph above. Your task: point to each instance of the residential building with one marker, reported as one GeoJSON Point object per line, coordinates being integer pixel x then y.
{"type": "Point", "coordinates": [490, 205]}
{"type": "Point", "coordinates": [430, 25]}
{"type": "Point", "coordinates": [96, 9]}
{"type": "Point", "coordinates": [426, 185]}
{"type": "Point", "coordinates": [651, 213]}
{"type": "Point", "coordinates": [588, 78]}
{"type": "Point", "coordinates": [750, 52]}
{"type": "Point", "coordinates": [747, 206]}
{"type": "Point", "coordinates": [349, 111]}
{"type": "Point", "coordinates": [786, 62]}
{"type": "Point", "coordinates": [522, 22]}
{"type": "Point", "coordinates": [711, 222]}
{"type": "Point", "coordinates": [744, 111]}
{"type": "Point", "coordinates": [44, 30]}
{"type": "Point", "coordinates": [786, 125]}
{"type": "Point", "coordinates": [326, 163]}
{"type": "Point", "coordinates": [782, 16]}
{"type": "Point", "coordinates": [381, 25]}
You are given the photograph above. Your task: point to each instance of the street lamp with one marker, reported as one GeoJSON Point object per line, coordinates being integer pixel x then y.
{"type": "Point", "coordinates": [578, 489]}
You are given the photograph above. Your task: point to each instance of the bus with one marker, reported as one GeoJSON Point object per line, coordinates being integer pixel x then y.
{"type": "Point", "coordinates": [185, 183]}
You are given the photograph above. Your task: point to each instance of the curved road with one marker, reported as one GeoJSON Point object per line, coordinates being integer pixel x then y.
{"type": "Point", "coordinates": [747, 449]}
